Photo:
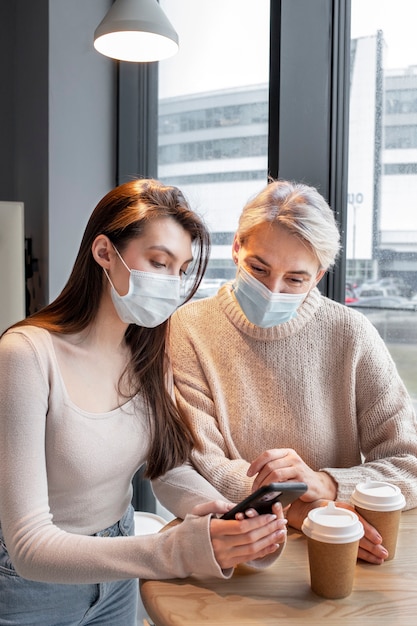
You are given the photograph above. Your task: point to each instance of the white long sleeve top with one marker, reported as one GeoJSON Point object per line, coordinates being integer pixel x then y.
{"type": "Point", "coordinates": [65, 474]}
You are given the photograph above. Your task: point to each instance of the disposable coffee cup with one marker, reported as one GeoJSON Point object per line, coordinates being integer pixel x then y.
{"type": "Point", "coordinates": [380, 504]}
{"type": "Point", "coordinates": [333, 535]}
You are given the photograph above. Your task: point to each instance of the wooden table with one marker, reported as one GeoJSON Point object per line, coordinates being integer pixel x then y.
{"type": "Point", "coordinates": [281, 594]}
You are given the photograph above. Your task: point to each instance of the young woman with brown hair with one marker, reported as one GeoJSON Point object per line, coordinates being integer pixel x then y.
{"type": "Point", "coordinates": [86, 400]}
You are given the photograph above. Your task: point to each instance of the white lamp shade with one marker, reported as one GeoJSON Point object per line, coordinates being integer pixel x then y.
{"type": "Point", "coordinates": [136, 30]}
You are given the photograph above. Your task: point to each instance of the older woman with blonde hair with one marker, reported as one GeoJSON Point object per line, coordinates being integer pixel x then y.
{"type": "Point", "coordinates": [283, 384]}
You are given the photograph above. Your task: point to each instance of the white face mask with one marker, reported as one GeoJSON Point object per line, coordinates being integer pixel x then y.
{"type": "Point", "coordinates": [152, 298]}
{"type": "Point", "coordinates": [262, 306]}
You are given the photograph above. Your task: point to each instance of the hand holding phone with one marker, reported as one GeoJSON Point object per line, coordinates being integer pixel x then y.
{"type": "Point", "coordinates": [263, 499]}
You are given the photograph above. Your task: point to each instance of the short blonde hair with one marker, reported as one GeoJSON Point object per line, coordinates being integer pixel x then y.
{"type": "Point", "coordinates": [302, 210]}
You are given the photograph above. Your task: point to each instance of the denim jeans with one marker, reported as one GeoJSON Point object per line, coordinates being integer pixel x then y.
{"type": "Point", "coordinates": [29, 603]}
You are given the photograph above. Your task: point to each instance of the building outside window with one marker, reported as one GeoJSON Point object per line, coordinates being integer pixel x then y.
{"type": "Point", "coordinates": [213, 143]}
{"type": "Point", "coordinates": [213, 115]}
{"type": "Point", "coordinates": [381, 266]}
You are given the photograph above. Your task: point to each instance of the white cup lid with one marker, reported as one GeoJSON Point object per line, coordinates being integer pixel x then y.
{"type": "Point", "coordinates": [378, 496]}
{"type": "Point", "coordinates": [332, 524]}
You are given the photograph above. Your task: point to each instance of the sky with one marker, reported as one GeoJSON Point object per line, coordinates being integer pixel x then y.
{"type": "Point", "coordinates": [223, 44]}
{"type": "Point", "coordinates": [235, 32]}
{"type": "Point", "coordinates": [398, 21]}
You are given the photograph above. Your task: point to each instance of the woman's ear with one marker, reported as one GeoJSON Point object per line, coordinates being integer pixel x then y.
{"type": "Point", "coordinates": [235, 249]}
{"type": "Point", "coordinates": [319, 276]}
{"type": "Point", "coordinates": [102, 250]}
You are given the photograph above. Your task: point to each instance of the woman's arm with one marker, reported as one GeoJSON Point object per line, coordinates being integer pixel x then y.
{"type": "Point", "coordinates": [183, 488]}
{"type": "Point", "coordinates": [42, 551]}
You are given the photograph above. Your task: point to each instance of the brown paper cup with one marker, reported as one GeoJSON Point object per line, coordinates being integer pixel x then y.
{"type": "Point", "coordinates": [333, 534]}
{"type": "Point", "coordinates": [387, 524]}
{"type": "Point", "coordinates": [332, 567]}
{"type": "Point", "coordinates": [380, 503]}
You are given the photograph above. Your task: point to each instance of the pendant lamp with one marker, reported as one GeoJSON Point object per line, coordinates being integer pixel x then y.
{"type": "Point", "coordinates": [136, 30]}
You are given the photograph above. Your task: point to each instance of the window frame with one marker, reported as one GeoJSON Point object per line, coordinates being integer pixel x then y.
{"type": "Point", "coordinates": [309, 56]}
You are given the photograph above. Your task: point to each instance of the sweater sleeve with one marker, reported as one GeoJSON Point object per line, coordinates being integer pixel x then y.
{"type": "Point", "coordinates": [40, 550]}
{"type": "Point", "coordinates": [218, 460]}
{"type": "Point", "coordinates": [183, 488]}
{"type": "Point", "coordinates": [387, 423]}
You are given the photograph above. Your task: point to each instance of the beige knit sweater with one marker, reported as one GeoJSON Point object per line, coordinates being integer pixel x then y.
{"type": "Point", "coordinates": [323, 384]}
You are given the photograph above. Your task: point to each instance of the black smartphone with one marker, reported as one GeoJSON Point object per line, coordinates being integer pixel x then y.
{"type": "Point", "coordinates": [263, 499]}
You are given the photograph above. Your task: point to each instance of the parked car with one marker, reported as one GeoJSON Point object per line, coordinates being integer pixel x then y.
{"type": "Point", "coordinates": [385, 302]}
{"type": "Point", "coordinates": [378, 291]}
{"type": "Point", "coordinates": [387, 286]}
{"type": "Point", "coordinates": [394, 317]}
{"type": "Point", "coordinates": [402, 288]}
{"type": "Point", "coordinates": [350, 295]}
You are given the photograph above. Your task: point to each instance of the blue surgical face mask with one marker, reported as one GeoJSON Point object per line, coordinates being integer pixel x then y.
{"type": "Point", "coordinates": [260, 305]}
{"type": "Point", "coordinates": [152, 298]}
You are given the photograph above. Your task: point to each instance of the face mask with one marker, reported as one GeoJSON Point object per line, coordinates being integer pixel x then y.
{"type": "Point", "coordinates": [261, 306]}
{"type": "Point", "coordinates": [152, 298]}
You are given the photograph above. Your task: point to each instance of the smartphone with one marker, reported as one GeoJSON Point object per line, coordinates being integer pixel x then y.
{"type": "Point", "coordinates": [263, 499]}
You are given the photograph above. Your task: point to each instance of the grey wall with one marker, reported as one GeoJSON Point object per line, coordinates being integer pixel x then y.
{"type": "Point", "coordinates": [82, 122]}
{"type": "Point", "coordinates": [57, 125]}
{"type": "Point", "coordinates": [7, 88]}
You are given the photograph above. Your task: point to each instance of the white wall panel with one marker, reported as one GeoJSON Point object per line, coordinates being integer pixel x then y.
{"type": "Point", "coordinates": [12, 263]}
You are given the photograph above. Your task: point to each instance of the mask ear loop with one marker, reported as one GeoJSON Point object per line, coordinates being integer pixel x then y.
{"type": "Point", "coordinates": [120, 257]}
{"type": "Point", "coordinates": [109, 279]}
{"type": "Point", "coordinates": [107, 274]}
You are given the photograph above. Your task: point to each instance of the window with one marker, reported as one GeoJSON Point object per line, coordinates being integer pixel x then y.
{"type": "Point", "coordinates": [213, 114]}
{"type": "Point", "coordinates": [235, 107]}
{"type": "Point", "coordinates": [381, 263]}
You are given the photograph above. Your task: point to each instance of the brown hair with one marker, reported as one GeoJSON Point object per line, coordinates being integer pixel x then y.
{"type": "Point", "coordinates": [122, 216]}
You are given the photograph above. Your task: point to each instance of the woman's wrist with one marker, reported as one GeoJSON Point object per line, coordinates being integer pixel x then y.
{"type": "Point", "coordinates": [329, 486]}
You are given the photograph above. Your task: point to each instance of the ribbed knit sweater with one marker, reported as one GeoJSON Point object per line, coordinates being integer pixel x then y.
{"type": "Point", "coordinates": [322, 383]}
